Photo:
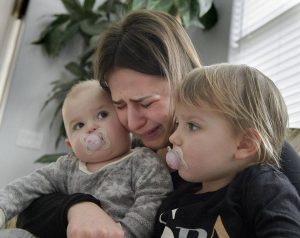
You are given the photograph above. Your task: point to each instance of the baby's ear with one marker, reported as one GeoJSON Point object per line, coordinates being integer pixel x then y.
{"type": "Point", "coordinates": [68, 143]}
{"type": "Point", "coordinates": [248, 144]}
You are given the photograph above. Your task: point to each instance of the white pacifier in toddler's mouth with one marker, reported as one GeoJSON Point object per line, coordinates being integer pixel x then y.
{"type": "Point", "coordinates": [174, 159]}
{"type": "Point", "coordinates": [98, 140]}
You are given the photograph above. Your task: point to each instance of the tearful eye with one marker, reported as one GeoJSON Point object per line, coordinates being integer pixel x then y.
{"type": "Point", "coordinates": [119, 107]}
{"type": "Point", "coordinates": [146, 105]}
{"type": "Point", "coordinates": [102, 114]}
{"type": "Point", "coordinates": [78, 125]}
{"type": "Point", "coordinates": [149, 100]}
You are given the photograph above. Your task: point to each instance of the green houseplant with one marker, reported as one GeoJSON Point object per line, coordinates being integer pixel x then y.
{"type": "Point", "coordinates": [88, 19]}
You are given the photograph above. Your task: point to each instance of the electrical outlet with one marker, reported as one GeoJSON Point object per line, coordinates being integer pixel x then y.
{"type": "Point", "coordinates": [29, 139]}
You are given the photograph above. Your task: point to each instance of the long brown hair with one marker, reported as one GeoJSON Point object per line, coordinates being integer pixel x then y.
{"type": "Point", "coordinates": [149, 42]}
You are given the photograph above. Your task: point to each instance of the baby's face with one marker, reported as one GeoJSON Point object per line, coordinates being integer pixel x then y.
{"type": "Point", "coordinates": [94, 131]}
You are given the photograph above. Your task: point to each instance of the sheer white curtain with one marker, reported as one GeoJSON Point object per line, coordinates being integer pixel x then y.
{"type": "Point", "coordinates": [266, 35]}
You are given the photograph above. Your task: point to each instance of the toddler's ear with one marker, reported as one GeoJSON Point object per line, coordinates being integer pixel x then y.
{"type": "Point", "coordinates": [248, 144]}
{"type": "Point", "coordinates": [68, 143]}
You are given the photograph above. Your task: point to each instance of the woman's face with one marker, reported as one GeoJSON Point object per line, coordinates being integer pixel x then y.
{"type": "Point", "coordinates": [142, 103]}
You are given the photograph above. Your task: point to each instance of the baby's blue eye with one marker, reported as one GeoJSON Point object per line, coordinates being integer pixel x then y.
{"type": "Point", "coordinates": [78, 125]}
{"type": "Point", "coordinates": [102, 114]}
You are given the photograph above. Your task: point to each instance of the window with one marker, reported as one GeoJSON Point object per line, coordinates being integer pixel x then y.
{"type": "Point", "coordinates": [266, 35]}
{"type": "Point", "coordinates": [11, 13]}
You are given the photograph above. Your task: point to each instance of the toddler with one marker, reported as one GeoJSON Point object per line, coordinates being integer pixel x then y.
{"type": "Point", "coordinates": [231, 122]}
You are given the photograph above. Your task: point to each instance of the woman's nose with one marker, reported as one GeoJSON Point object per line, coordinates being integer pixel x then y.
{"type": "Point", "coordinates": [136, 119]}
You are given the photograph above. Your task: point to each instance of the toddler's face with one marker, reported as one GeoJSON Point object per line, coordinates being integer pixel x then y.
{"type": "Point", "coordinates": [207, 144]}
{"type": "Point", "coordinates": [94, 131]}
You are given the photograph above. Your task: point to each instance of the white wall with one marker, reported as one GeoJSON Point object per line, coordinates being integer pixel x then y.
{"type": "Point", "coordinates": [34, 72]}
{"type": "Point", "coordinates": [212, 45]}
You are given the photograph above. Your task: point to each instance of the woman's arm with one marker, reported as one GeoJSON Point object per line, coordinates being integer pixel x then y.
{"type": "Point", "coordinates": [290, 165]}
{"type": "Point", "coordinates": [47, 216]}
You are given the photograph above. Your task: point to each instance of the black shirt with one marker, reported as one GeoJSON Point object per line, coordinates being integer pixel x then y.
{"type": "Point", "coordinates": [259, 202]}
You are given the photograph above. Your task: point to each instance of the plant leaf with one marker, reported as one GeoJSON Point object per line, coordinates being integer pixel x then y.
{"type": "Point", "coordinates": [84, 60]}
{"type": "Point", "coordinates": [54, 42]}
{"type": "Point", "coordinates": [91, 28]}
{"type": "Point", "coordinates": [162, 5]}
{"type": "Point", "coordinates": [137, 4]}
{"type": "Point", "coordinates": [73, 7]}
{"type": "Point", "coordinates": [120, 9]}
{"type": "Point", "coordinates": [93, 42]}
{"type": "Point", "coordinates": [88, 5]}
{"type": "Point", "coordinates": [210, 18]}
{"type": "Point", "coordinates": [184, 12]}
{"type": "Point", "coordinates": [204, 6]}
{"type": "Point", "coordinates": [59, 37]}
{"type": "Point", "coordinates": [75, 69]}
{"type": "Point", "coordinates": [186, 18]}
{"type": "Point", "coordinates": [57, 111]}
{"type": "Point", "coordinates": [60, 19]}
{"type": "Point", "coordinates": [61, 134]}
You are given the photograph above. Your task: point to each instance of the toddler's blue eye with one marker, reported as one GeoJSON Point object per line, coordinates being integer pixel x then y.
{"type": "Point", "coordinates": [192, 126]}
{"type": "Point", "coordinates": [78, 125]}
{"type": "Point", "coordinates": [102, 114]}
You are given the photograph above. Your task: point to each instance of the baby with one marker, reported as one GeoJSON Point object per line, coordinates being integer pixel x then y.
{"type": "Point", "coordinates": [130, 184]}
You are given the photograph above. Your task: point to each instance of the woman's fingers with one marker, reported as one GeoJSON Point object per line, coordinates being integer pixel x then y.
{"type": "Point", "coordinates": [87, 220]}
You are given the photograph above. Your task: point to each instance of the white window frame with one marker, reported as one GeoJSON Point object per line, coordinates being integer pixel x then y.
{"type": "Point", "coordinates": [10, 32]}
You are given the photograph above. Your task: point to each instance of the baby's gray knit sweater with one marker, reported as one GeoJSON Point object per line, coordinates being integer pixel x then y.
{"type": "Point", "coordinates": [130, 190]}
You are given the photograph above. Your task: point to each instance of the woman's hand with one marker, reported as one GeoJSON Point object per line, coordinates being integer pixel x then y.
{"type": "Point", "coordinates": [87, 220]}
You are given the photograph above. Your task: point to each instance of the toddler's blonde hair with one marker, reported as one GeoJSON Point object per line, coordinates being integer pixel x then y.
{"type": "Point", "coordinates": [248, 99]}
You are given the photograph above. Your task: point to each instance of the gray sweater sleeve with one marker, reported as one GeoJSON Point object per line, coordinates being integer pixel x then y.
{"type": "Point", "coordinates": [18, 194]}
{"type": "Point", "coordinates": [152, 182]}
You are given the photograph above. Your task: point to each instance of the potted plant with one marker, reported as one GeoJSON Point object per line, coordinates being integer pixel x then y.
{"type": "Point", "coordinates": [88, 20]}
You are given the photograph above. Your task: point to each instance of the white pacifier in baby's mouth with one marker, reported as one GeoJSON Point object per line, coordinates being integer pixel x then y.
{"type": "Point", "coordinates": [174, 158]}
{"type": "Point", "coordinates": [98, 140]}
